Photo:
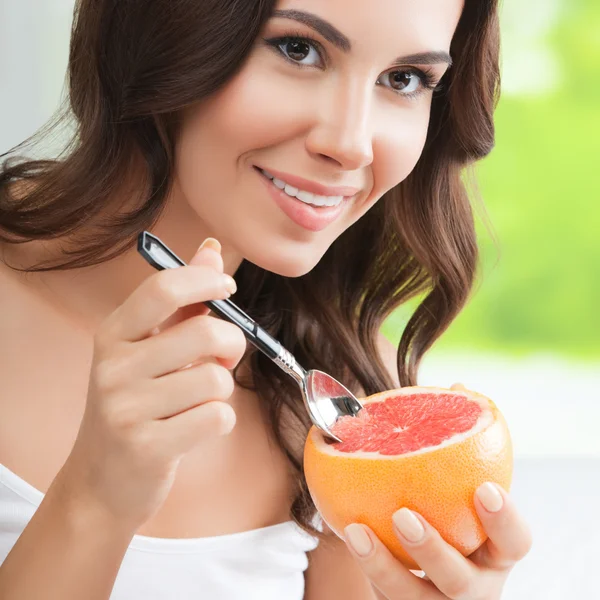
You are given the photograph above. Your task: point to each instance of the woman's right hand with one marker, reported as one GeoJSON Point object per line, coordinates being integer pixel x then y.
{"type": "Point", "coordinates": [144, 410]}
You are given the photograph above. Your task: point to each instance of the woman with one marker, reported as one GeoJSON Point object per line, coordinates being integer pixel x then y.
{"type": "Point", "coordinates": [141, 441]}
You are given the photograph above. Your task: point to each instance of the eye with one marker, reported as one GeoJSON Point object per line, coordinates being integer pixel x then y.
{"type": "Point", "coordinates": [300, 51]}
{"type": "Point", "coordinates": [408, 82]}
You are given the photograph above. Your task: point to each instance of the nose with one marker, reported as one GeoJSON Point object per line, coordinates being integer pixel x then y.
{"type": "Point", "coordinates": [342, 130]}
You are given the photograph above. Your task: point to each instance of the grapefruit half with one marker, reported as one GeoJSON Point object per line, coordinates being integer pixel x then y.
{"type": "Point", "coordinates": [424, 448]}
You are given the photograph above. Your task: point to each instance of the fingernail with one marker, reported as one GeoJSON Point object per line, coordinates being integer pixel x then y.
{"type": "Point", "coordinates": [230, 284]}
{"type": "Point", "coordinates": [359, 539]}
{"type": "Point", "coordinates": [210, 243]}
{"type": "Point", "coordinates": [490, 497]}
{"type": "Point", "coordinates": [408, 525]}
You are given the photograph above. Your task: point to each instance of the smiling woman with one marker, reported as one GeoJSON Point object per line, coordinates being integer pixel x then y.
{"type": "Point", "coordinates": [322, 143]}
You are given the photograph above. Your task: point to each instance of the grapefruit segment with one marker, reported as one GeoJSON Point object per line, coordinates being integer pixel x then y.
{"type": "Point", "coordinates": [395, 425]}
{"type": "Point", "coordinates": [427, 449]}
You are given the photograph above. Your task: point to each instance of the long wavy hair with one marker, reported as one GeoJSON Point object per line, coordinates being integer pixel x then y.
{"type": "Point", "coordinates": [133, 66]}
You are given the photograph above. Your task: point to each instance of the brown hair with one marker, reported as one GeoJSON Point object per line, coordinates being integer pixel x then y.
{"type": "Point", "coordinates": [134, 65]}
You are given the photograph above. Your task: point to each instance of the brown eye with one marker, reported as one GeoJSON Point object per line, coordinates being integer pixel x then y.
{"type": "Point", "coordinates": [400, 80]}
{"type": "Point", "coordinates": [302, 52]}
{"type": "Point", "coordinates": [405, 82]}
{"type": "Point", "coordinates": [297, 50]}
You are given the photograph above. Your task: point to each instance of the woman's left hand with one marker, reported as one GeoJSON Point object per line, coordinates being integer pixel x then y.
{"type": "Point", "coordinates": [449, 573]}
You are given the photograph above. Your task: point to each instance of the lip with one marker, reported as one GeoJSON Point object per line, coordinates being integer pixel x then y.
{"type": "Point", "coordinates": [311, 186]}
{"type": "Point", "coordinates": [309, 217]}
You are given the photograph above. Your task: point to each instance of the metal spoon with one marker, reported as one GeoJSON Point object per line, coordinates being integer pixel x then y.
{"type": "Point", "coordinates": [325, 398]}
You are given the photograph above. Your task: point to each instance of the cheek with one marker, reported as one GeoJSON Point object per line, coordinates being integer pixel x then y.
{"type": "Point", "coordinates": [398, 149]}
{"type": "Point", "coordinates": [254, 110]}
{"type": "Point", "coordinates": [217, 133]}
{"type": "Point", "coordinates": [400, 154]}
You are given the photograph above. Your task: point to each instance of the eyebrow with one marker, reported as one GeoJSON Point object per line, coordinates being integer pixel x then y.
{"type": "Point", "coordinates": [339, 40]}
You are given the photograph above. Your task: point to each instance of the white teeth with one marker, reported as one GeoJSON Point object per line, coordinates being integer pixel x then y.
{"type": "Point", "coordinates": [290, 190]}
{"type": "Point", "coordinates": [303, 196]}
{"type": "Point", "coordinates": [334, 200]}
{"type": "Point", "coordinates": [306, 197]}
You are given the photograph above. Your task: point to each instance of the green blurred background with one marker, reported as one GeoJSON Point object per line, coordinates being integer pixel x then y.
{"type": "Point", "coordinates": [539, 288]}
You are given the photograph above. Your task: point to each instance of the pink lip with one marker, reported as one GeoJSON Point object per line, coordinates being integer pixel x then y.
{"type": "Point", "coordinates": [313, 187]}
{"type": "Point", "coordinates": [310, 217]}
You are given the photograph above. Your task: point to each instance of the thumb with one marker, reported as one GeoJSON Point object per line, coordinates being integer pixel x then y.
{"type": "Point", "coordinates": [209, 255]}
{"type": "Point", "coordinates": [458, 387]}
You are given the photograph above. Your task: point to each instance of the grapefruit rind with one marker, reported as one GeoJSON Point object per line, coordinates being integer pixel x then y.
{"type": "Point", "coordinates": [439, 483]}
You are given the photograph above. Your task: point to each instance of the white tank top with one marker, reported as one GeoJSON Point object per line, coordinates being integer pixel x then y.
{"type": "Point", "coordinates": [261, 564]}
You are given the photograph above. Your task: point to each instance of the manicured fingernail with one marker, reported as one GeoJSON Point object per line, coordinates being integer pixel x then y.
{"type": "Point", "coordinates": [230, 284]}
{"type": "Point", "coordinates": [359, 539]}
{"type": "Point", "coordinates": [408, 525]}
{"type": "Point", "coordinates": [212, 244]}
{"type": "Point", "coordinates": [490, 497]}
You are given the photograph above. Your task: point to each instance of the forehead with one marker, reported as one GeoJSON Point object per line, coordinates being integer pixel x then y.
{"type": "Point", "coordinates": [388, 25]}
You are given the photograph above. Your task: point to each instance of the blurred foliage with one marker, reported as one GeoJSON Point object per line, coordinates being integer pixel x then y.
{"type": "Point", "coordinates": [539, 285]}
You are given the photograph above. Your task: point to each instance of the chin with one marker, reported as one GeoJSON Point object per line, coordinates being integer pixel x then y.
{"type": "Point", "coordinates": [292, 266]}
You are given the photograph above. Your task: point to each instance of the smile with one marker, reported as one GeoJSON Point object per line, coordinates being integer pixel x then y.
{"type": "Point", "coordinates": [312, 211]}
{"type": "Point", "coordinates": [302, 195]}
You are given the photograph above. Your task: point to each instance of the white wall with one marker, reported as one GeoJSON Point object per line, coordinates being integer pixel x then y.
{"type": "Point", "coordinates": [34, 40]}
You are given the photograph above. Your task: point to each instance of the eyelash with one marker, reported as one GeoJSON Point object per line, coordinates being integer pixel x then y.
{"type": "Point", "coordinates": [427, 77]}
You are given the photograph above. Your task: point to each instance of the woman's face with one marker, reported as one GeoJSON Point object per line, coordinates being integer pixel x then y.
{"type": "Point", "coordinates": [333, 95]}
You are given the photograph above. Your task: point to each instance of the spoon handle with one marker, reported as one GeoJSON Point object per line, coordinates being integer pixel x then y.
{"type": "Point", "coordinates": [162, 257]}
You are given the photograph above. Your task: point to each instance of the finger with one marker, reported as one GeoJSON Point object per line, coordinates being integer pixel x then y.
{"type": "Point", "coordinates": [208, 255]}
{"type": "Point", "coordinates": [390, 576]}
{"type": "Point", "coordinates": [509, 535]}
{"type": "Point", "coordinates": [197, 338]}
{"type": "Point", "coordinates": [161, 295]}
{"type": "Point", "coordinates": [458, 387]}
{"type": "Point", "coordinates": [180, 433]}
{"type": "Point", "coordinates": [453, 574]}
{"type": "Point", "coordinates": [181, 391]}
